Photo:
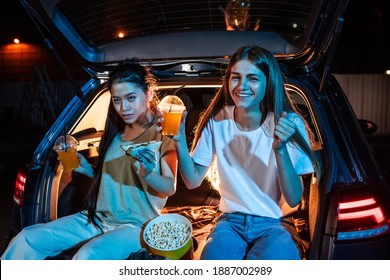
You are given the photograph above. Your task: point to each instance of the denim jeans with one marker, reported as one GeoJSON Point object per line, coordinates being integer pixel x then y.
{"type": "Point", "coordinates": [238, 236]}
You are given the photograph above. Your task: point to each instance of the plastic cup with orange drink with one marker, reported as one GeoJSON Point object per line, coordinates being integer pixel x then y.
{"type": "Point", "coordinates": [172, 108]}
{"type": "Point", "coordinates": [66, 148]}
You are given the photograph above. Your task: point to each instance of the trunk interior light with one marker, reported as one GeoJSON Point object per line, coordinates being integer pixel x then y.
{"type": "Point", "coordinates": [360, 218]}
{"type": "Point", "coordinates": [19, 188]}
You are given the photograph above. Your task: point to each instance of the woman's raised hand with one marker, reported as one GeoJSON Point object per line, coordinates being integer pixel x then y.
{"type": "Point", "coordinates": [284, 129]}
{"type": "Point", "coordinates": [160, 119]}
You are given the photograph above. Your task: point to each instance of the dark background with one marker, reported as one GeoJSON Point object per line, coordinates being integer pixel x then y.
{"type": "Point", "coordinates": [365, 42]}
{"type": "Point", "coordinates": [363, 48]}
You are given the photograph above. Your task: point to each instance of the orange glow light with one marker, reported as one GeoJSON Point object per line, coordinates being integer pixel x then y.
{"type": "Point", "coordinates": [121, 35]}
{"type": "Point", "coordinates": [16, 41]}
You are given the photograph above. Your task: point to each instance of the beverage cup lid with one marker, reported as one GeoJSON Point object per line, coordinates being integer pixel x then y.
{"type": "Point", "coordinates": [171, 103]}
{"type": "Point", "coordinates": [62, 144]}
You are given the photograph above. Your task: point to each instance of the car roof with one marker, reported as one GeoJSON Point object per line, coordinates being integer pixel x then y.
{"type": "Point", "coordinates": [297, 31]}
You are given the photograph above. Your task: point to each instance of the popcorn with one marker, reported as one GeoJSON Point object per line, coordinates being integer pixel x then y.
{"type": "Point", "coordinates": [168, 235]}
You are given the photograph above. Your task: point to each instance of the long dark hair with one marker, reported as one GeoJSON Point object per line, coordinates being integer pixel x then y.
{"type": "Point", "coordinates": [276, 98]}
{"type": "Point", "coordinates": [127, 71]}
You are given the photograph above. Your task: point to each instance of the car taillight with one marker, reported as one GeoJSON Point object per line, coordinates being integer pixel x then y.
{"type": "Point", "coordinates": [360, 217]}
{"type": "Point", "coordinates": [19, 187]}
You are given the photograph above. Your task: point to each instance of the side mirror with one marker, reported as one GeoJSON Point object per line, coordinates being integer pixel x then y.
{"type": "Point", "coordinates": [368, 127]}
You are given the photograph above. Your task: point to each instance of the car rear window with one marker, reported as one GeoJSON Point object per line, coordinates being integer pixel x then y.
{"type": "Point", "coordinates": [101, 21]}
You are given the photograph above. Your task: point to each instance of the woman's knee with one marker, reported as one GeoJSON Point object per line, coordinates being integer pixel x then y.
{"type": "Point", "coordinates": [32, 234]}
{"type": "Point", "coordinates": [274, 247]}
{"type": "Point", "coordinates": [224, 245]}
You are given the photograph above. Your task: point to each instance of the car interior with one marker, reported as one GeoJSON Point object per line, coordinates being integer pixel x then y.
{"type": "Point", "coordinates": [200, 206]}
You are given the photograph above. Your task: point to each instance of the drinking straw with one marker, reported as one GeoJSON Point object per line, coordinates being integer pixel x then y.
{"type": "Point", "coordinates": [174, 94]}
{"type": "Point", "coordinates": [65, 130]}
{"type": "Point", "coordinates": [177, 90]}
{"type": "Point", "coordinates": [170, 105]}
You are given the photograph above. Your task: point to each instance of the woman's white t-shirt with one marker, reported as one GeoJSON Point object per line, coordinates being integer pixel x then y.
{"type": "Point", "coordinates": [246, 164]}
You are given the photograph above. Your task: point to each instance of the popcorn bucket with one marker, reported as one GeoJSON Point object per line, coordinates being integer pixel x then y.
{"type": "Point", "coordinates": [169, 236]}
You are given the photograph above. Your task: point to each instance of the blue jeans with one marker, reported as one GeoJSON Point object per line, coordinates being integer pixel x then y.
{"type": "Point", "coordinates": [238, 236]}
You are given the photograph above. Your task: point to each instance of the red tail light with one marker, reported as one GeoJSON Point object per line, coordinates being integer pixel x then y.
{"type": "Point", "coordinates": [360, 217]}
{"type": "Point", "coordinates": [19, 187]}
